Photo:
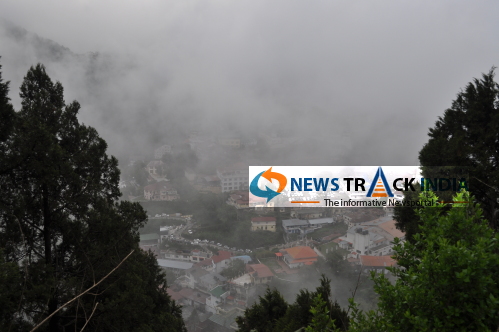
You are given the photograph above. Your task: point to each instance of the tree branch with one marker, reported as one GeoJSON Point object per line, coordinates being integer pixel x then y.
{"type": "Point", "coordinates": [81, 294]}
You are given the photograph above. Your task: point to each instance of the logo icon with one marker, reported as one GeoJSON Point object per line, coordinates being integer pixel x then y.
{"type": "Point", "coordinates": [269, 193]}
{"type": "Point", "coordinates": [379, 186]}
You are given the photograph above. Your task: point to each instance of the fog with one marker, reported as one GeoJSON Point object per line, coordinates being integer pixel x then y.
{"type": "Point", "coordinates": [358, 83]}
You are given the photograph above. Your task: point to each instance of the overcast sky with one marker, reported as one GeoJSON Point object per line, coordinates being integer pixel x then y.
{"type": "Point", "coordinates": [369, 76]}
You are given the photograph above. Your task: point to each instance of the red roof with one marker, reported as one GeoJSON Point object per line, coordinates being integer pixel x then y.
{"type": "Point", "coordinates": [278, 254]}
{"type": "Point", "coordinates": [377, 261]}
{"type": "Point", "coordinates": [205, 262]}
{"type": "Point", "coordinates": [301, 252]}
{"type": "Point", "coordinates": [264, 219]}
{"type": "Point", "coordinates": [222, 255]}
{"type": "Point", "coordinates": [261, 270]}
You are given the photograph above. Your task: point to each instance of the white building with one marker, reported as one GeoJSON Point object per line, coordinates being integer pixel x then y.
{"type": "Point", "coordinates": [233, 177]}
{"type": "Point", "coordinates": [161, 151]}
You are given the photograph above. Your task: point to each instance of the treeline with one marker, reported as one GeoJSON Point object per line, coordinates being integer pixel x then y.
{"type": "Point", "coordinates": [69, 255]}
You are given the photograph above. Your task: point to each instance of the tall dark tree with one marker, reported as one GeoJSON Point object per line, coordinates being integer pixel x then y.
{"type": "Point", "coordinates": [263, 315]}
{"type": "Point", "coordinates": [466, 140]}
{"type": "Point", "coordinates": [464, 143]}
{"type": "Point", "coordinates": [298, 315]}
{"type": "Point", "coordinates": [61, 224]}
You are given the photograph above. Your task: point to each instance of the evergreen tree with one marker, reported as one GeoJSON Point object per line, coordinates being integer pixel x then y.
{"type": "Point", "coordinates": [446, 280]}
{"type": "Point", "coordinates": [463, 143]}
{"type": "Point", "coordinates": [295, 316]}
{"type": "Point", "coordinates": [263, 315]}
{"type": "Point", "coordinates": [61, 224]}
{"type": "Point", "coordinates": [466, 142]}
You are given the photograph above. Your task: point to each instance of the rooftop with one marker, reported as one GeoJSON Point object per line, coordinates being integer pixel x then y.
{"type": "Point", "coordinates": [294, 222]}
{"type": "Point", "coordinates": [218, 291]}
{"type": "Point", "coordinates": [149, 236]}
{"type": "Point", "coordinates": [261, 270]}
{"type": "Point", "coordinates": [222, 255]}
{"type": "Point", "coordinates": [321, 221]}
{"type": "Point", "coordinates": [377, 261]}
{"type": "Point", "coordinates": [301, 252]}
{"type": "Point", "coordinates": [263, 219]}
{"type": "Point", "coordinates": [167, 263]}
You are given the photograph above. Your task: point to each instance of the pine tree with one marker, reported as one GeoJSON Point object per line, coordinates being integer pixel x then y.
{"type": "Point", "coordinates": [61, 224]}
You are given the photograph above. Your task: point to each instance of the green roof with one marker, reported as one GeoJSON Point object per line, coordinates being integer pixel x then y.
{"type": "Point", "coordinates": [150, 236]}
{"type": "Point", "coordinates": [218, 291]}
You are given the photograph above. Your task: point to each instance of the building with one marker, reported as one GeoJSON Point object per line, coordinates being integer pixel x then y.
{"type": "Point", "coordinates": [239, 199]}
{"type": "Point", "coordinates": [298, 256]}
{"type": "Point", "coordinates": [149, 240]}
{"type": "Point", "coordinates": [161, 151]}
{"type": "Point", "coordinates": [222, 260]}
{"type": "Point", "coordinates": [263, 224]}
{"type": "Point", "coordinates": [295, 226]}
{"type": "Point", "coordinates": [233, 177]}
{"type": "Point", "coordinates": [194, 256]}
{"type": "Point", "coordinates": [232, 141]}
{"type": "Point", "coordinates": [374, 237]}
{"type": "Point", "coordinates": [160, 191]}
{"type": "Point", "coordinates": [178, 267]}
{"type": "Point", "coordinates": [216, 298]}
{"type": "Point", "coordinates": [259, 273]}
{"type": "Point", "coordinates": [207, 184]}
{"type": "Point", "coordinates": [307, 213]}
{"type": "Point", "coordinates": [155, 167]}
{"type": "Point", "coordinates": [376, 263]}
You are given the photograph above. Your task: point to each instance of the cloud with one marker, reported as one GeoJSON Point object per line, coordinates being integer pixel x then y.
{"type": "Point", "coordinates": [362, 81]}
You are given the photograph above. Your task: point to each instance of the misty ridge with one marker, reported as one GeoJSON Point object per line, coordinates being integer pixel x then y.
{"type": "Point", "coordinates": [137, 108]}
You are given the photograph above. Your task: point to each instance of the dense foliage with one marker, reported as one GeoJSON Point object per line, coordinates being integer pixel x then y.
{"type": "Point", "coordinates": [465, 142]}
{"type": "Point", "coordinates": [62, 229]}
{"type": "Point", "coordinates": [446, 279]}
{"type": "Point", "coordinates": [273, 313]}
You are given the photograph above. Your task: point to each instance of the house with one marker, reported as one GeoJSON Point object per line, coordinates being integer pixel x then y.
{"type": "Point", "coordinates": [307, 213]}
{"type": "Point", "coordinates": [202, 279]}
{"type": "Point", "coordinates": [374, 237]}
{"type": "Point", "coordinates": [178, 267]}
{"type": "Point", "coordinates": [259, 273]}
{"type": "Point", "coordinates": [376, 263]}
{"type": "Point", "coordinates": [199, 256]}
{"type": "Point", "coordinates": [155, 167]}
{"type": "Point", "coordinates": [162, 150]}
{"type": "Point", "coordinates": [206, 265]}
{"type": "Point", "coordinates": [232, 141]}
{"type": "Point", "coordinates": [298, 256]}
{"type": "Point", "coordinates": [239, 199]}
{"type": "Point", "coordinates": [160, 191]}
{"type": "Point", "coordinates": [217, 297]}
{"type": "Point", "coordinates": [208, 184]}
{"type": "Point", "coordinates": [210, 281]}
{"type": "Point", "coordinates": [263, 224]}
{"type": "Point", "coordinates": [193, 298]}
{"type": "Point", "coordinates": [295, 226]}
{"type": "Point", "coordinates": [222, 260]}
{"type": "Point", "coordinates": [185, 255]}
{"type": "Point", "coordinates": [233, 177]}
